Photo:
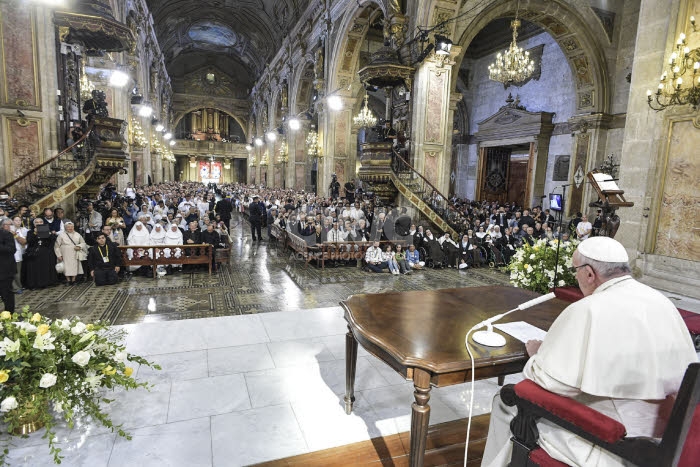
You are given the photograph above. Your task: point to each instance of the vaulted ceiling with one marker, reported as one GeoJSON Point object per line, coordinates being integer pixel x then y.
{"type": "Point", "coordinates": [239, 36]}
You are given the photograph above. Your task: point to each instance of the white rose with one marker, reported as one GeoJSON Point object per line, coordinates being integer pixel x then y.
{"type": "Point", "coordinates": [78, 328]}
{"type": "Point", "coordinates": [562, 283]}
{"type": "Point", "coordinates": [58, 407]}
{"type": "Point", "coordinates": [120, 357]}
{"type": "Point", "coordinates": [8, 404]}
{"type": "Point", "coordinates": [47, 380]}
{"type": "Point", "coordinates": [81, 358]}
{"type": "Point", "coordinates": [63, 324]}
{"type": "Point", "coordinates": [532, 256]}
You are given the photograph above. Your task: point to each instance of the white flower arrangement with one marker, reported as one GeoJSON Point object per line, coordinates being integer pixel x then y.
{"type": "Point", "coordinates": [56, 369]}
{"type": "Point", "coordinates": [533, 267]}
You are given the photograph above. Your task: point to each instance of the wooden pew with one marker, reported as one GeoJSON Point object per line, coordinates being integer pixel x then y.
{"type": "Point", "coordinates": [154, 255]}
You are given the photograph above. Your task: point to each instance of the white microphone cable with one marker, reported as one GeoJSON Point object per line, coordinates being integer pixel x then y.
{"type": "Point", "coordinates": [522, 306]}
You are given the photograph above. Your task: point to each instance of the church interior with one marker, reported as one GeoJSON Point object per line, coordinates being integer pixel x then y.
{"type": "Point", "coordinates": [418, 106]}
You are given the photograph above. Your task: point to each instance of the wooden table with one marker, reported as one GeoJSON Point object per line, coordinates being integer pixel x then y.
{"type": "Point", "coordinates": [421, 335]}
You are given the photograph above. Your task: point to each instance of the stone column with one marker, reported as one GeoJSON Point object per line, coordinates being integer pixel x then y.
{"type": "Point", "coordinates": [432, 118]}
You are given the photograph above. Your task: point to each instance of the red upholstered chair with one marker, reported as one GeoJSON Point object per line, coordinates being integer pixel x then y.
{"type": "Point", "coordinates": [679, 446]}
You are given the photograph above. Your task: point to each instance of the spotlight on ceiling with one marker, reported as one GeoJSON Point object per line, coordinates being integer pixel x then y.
{"type": "Point", "coordinates": [271, 136]}
{"type": "Point", "coordinates": [172, 142]}
{"type": "Point", "coordinates": [443, 45]}
{"type": "Point", "coordinates": [335, 103]}
{"type": "Point", "coordinates": [159, 127]}
{"type": "Point", "coordinates": [167, 136]}
{"type": "Point", "coordinates": [294, 124]}
{"type": "Point", "coordinates": [146, 110]}
{"type": "Point", "coordinates": [259, 141]}
{"type": "Point", "coordinates": [118, 79]}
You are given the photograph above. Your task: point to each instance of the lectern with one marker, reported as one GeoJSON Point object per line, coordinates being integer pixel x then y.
{"type": "Point", "coordinates": [610, 197]}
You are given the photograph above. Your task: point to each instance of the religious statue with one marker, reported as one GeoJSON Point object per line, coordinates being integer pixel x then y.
{"type": "Point", "coordinates": [285, 96]}
{"type": "Point", "coordinates": [318, 63]}
{"type": "Point", "coordinates": [393, 8]}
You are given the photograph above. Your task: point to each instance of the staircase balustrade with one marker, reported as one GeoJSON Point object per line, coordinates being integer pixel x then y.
{"type": "Point", "coordinates": [54, 173]}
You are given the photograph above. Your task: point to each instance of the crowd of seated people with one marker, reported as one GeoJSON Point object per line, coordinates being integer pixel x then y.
{"type": "Point", "coordinates": [164, 214]}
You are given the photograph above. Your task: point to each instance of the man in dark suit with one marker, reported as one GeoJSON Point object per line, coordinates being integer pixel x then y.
{"type": "Point", "coordinates": [224, 209]}
{"type": "Point", "coordinates": [526, 219]}
{"type": "Point", "coordinates": [255, 212]}
{"type": "Point", "coordinates": [7, 265]}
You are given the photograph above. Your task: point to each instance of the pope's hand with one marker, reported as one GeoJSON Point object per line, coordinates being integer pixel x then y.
{"type": "Point", "coordinates": [532, 347]}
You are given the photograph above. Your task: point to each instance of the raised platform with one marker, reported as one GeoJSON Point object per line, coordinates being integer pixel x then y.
{"type": "Point", "coordinates": [445, 447]}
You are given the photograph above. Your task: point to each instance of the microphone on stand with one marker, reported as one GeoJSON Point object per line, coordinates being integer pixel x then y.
{"type": "Point", "coordinates": [493, 339]}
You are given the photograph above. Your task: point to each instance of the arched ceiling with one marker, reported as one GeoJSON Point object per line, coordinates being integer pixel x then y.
{"type": "Point", "coordinates": [235, 33]}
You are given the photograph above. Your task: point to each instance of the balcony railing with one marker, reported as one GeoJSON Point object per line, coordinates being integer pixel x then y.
{"type": "Point", "coordinates": [187, 146]}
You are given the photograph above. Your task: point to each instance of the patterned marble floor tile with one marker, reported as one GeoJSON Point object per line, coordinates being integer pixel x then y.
{"type": "Point", "coordinates": [260, 278]}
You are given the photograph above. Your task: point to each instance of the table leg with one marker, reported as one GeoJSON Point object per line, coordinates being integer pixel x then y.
{"type": "Point", "coordinates": [501, 380]}
{"type": "Point", "coordinates": [350, 365]}
{"type": "Point", "coordinates": [420, 416]}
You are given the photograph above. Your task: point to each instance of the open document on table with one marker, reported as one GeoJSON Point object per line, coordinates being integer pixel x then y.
{"type": "Point", "coordinates": [521, 330]}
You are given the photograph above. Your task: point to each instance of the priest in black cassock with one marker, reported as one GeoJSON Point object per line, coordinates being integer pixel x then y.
{"type": "Point", "coordinates": [39, 263]}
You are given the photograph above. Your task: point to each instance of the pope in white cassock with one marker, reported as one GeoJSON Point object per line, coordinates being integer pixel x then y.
{"type": "Point", "coordinates": [622, 350]}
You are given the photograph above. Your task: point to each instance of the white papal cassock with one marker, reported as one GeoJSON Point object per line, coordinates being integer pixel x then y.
{"type": "Point", "coordinates": [622, 350]}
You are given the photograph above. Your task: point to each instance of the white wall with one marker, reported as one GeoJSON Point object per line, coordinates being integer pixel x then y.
{"type": "Point", "coordinates": [553, 92]}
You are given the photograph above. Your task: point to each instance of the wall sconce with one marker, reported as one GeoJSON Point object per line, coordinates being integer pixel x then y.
{"type": "Point", "coordinates": [294, 124]}
{"type": "Point", "coordinates": [671, 91]}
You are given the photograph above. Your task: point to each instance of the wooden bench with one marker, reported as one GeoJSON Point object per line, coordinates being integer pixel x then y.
{"type": "Point", "coordinates": [298, 244]}
{"type": "Point", "coordinates": [279, 234]}
{"type": "Point", "coordinates": [155, 255]}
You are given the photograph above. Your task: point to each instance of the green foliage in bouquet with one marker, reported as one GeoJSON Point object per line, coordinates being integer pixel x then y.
{"type": "Point", "coordinates": [532, 267]}
{"type": "Point", "coordinates": [60, 369]}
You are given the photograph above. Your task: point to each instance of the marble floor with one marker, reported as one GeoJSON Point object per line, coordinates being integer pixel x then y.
{"type": "Point", "coordinates": [253, 364]}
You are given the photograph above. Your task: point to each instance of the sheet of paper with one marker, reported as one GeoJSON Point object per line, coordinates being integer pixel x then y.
{"type": "Point", "coordinates": [521, 331]}
{"type": "Point", "coordinates": [605, 182]}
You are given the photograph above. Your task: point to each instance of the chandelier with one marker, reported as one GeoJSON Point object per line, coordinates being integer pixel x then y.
{"type": "Point", "coordinates": [284, 152]}
{"type": "Point", "coordinates": [671, 90]}
{"type": "Point", "coordinates": [86, 86]}
{"type": "Point", "coordinates": [138, 139]}
{"type": "Point", "coordinates": [312, 144]}
{"type": "Point", "coordinates": [514, 65]}
{"type": "Point", "coordinates": [365, 118]}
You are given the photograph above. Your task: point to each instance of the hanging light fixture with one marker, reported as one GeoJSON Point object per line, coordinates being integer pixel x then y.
{"type": "Point", "coordinates": [86, 86]}
{"type": "Point", "coordinates": [671, 90]}
{"type": "Point", "coordinates": [365, 118]}
{"type": "Point", "coordinates": [284, 152]}
{"type": "Point", "coordinates": [514, 65]}
{"type": "Point", "coordinates": [138, 139]}
{"type": "Point", "coordinates": [313, 149]}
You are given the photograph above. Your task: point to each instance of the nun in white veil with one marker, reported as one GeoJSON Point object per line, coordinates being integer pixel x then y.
{"type": "Point", "coordinates": [173, 236]}
{"type": "Point", "coordinates": [140, 236]}
{"type": "Point", "coordinates": [158, 235]}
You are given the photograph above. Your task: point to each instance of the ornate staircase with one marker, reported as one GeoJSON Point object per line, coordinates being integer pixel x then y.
{"type": "Point", "coordinates": [389, 174]}
{"type": "Point", "coordinates": [81, 168]}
